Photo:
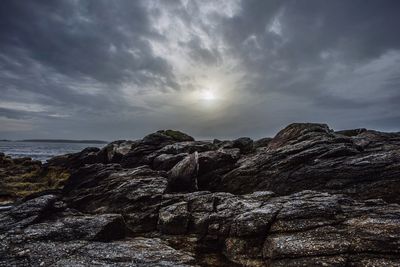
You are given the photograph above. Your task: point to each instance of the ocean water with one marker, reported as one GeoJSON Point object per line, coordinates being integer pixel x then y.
{"type": "Point", "coordinates": [41, 151]}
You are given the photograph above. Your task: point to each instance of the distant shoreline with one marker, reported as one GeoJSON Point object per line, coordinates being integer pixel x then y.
{"type": "Point", "coordinates": [59, 141]}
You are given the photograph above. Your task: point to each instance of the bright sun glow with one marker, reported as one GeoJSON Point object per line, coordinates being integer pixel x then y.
{"type": "Point", "coordinates": [208, 95]}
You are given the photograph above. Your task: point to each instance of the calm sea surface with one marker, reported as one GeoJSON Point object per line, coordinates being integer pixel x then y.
{"type": "Point", "coordinates": [42, 151]}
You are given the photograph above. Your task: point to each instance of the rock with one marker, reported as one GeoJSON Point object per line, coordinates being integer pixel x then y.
{"type": "Point", "coordinates": [282, 230]}
{"type": "Point", "coordinates": [201, 170]}
{"type": "Point", "coordinates": [302, 131]}
{"type": "Point", "coordinates": [134, 193]}
{"type": "Point", "coordinates": [304, 156]}
{"type": "Point", "coordinates": [173, 219]}
{"type": "Point", "coordinates": [183, 176]}
{"type": "Point", "coordinates": [213, 165]}
{"type": "Point", "coordinates": [139, 153]}
{"type": "Point", "coordinates": [245, 144]}
{"type": "Point", "coordinates": [26, 213]}
{"type": "Point", "coordinates": [352, 132]}
{"type": "Point", "coordinates": [167, 161]}
{"type": "Point", "coordinates": [166, 136]}
{"type": "Point", "coordinates": [101, 227]}
{"type": "Point", "coordinates": [308, 197]}
{"type": "Point", "coordinates": [187, 147]}
{"type": "Point", "coordinates": [137, 251]}
{"type": "Point", "coordinates": [263, 142]}
{"type": "Point", "coordinates": [75, 160]}
{"type": "Point", "coordinates": [113, 152]}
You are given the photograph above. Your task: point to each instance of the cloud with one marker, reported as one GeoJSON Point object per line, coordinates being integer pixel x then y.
{"type": "Point", "coordinates": [101, 69]}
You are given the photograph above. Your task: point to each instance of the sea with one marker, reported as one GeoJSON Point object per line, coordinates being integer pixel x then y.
{"type": "Point", "coordinates": [42, 150]}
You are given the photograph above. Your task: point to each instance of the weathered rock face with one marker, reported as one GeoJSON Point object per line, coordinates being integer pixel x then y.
{"type": "Point", "coordinates": [311, 156]}
{"type": "Point", "coordinates": [258, 229]}
{"type": "Point", "coordinates": [113, 152]}
{"type": "Point", "coordinates": [134, 193]}
{"type": "Point", "coordinates": [75, 160]}
{"type": "Point", "coordinates": [304, 229]}
{"type": "Point", "coordinates": [307, 197]}
{"type": "Point", "coordinates": [63, 237]}
{"type": "Point", "coordinates": [138, 154]}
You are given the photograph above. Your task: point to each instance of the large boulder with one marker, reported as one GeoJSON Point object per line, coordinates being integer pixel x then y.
{"type": "Point", "coordinates": [139, 153]}
{"type": "Point", "coordinates": [166, 136]}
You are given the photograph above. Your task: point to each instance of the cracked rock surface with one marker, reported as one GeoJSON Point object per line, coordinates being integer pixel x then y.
{"type": "Point", "coordinates": [310, 196]}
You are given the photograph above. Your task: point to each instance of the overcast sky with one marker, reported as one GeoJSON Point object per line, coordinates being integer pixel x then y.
{"type": "Point", "coordinates": [121, 69]}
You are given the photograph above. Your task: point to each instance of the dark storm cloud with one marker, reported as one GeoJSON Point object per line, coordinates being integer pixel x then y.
{"type": "Point", "coordinates": [118, 69]}
{"type": "Point", "coordinates": [81, 38]}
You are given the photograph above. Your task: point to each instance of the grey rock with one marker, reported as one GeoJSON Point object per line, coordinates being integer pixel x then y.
{"type": "Point", "coordinates": [167, 161]}
{"type": "Point", "coordinates": [245, 144]}
{"type": "Point", "coordinates": [134, 193]}
{"type": "Point", "coordinates": [312, 156]}
{"type": "Point", "coordinates": [183, 176]}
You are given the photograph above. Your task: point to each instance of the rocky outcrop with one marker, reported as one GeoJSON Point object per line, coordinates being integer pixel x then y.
{"type": "Point", "coordinates": [138, 154]}
{"type": "Point", "coordinates": [309, 196]}
{"type": "Point", "coordinates": [365, 164]}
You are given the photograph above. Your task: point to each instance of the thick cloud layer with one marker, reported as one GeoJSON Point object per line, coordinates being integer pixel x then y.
{"type": "Point", "coordinates": [120, 69]}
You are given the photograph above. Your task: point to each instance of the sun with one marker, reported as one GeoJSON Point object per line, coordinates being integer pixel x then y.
{"type": "Point", "coordinates": [208, 94]}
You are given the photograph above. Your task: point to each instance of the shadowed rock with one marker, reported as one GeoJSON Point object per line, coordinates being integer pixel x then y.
{"type": "Point", "coordinates": [183, 176]}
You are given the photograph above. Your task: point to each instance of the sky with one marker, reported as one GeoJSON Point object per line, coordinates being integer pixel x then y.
{"type": "Point", "coordinates": [214, 69]}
